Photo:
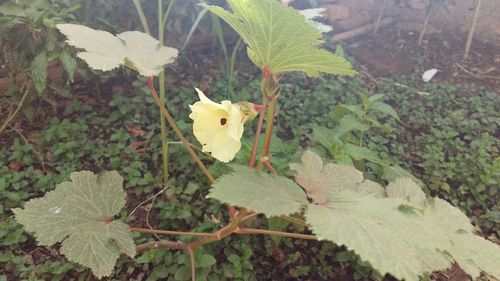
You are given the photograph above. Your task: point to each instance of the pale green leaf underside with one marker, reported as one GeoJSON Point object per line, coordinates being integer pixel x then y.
{"type": "Point", "coordinates": [318, 180]}
{"type": "Point", "coordinates": [473, 253]}
{"type": "Point", "coordinates": [279, 37]}
{"type": "Point", "coordinates": [391, 241]}
{"type": "Point", "coordinates": [104, 51]}
{"type": "Point", "coordinates": [77, 214]}
{"type": "Point", "coordinates": [404, 234]}
{"type": "Point", "coordinates": [261, 192]}
{"type": "Point", "coordinates": [406, 189]}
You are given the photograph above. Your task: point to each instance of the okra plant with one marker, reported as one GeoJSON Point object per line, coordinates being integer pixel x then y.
{"type": "Point", "coordinates": [396, 228]}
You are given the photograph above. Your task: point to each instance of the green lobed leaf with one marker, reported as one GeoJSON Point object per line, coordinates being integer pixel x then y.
{"type": "Point", "coordinates": [319, 180]}
{"type": "Point", "coordinates": [254, 190]}
{"type": "Point", "coordinates": [79, 214]}
{"type": "Point", "coordinates": [104, 51]}
{"type": "Point", "coordinates": [278, 37]}
{"type": "Point", "coordinates": [372, 188]}
{"type": "Point", "coordinates": [391, 173]}
{"type": "Point", "coordinates": [473, 254]}
{"type": "Point", "coordinates": [401, 233]}
{"type": "Point", "coordinates": [392, 241]}
{"type": "Point", "coordinates": [406, 189]}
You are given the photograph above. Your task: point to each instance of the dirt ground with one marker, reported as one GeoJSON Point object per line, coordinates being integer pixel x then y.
{"type": "Point", "coordinates": [394, 51]}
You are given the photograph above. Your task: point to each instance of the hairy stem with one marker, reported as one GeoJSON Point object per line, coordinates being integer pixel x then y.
{"type": "Point", "coordinates": [294, 220]}
{"type": "Point", "coordinates": [170, 232]}
{"type": "Point", "coordinates": [253, 156]}
{"type": "Point", "coordinates": [175, 245]}
{"type": "Point", "coordinates": [269, 166]}
{"type": "Point", "coordinates": [161, 82]}
{"type": "Point", "coordinates": [221, 233]}
{"type": "Point", "coordinates": [177, 131]}
{"type": "Point", "coordinates": [271, 110]}
{"type": "Point", "coordinates": [275, 233]}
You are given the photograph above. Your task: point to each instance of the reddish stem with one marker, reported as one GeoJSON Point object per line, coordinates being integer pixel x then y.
{"type": "Point", "coordinates": [269, 166]}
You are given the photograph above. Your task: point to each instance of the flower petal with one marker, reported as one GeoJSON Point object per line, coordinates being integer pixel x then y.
{"type": "Point", "coordinates": [236, 120]}
{"type": "Point", "coordinates": [218, 127]}
{"type": "Point", "coordinates": [204, 98]}
{"type": "Point", "coordinates": [224, 148]}
{"type": "Point", "coordinates": [207, 123]}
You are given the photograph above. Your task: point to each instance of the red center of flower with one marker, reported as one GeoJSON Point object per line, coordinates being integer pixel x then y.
{"type": "Point", "coordinates": [223, 121]}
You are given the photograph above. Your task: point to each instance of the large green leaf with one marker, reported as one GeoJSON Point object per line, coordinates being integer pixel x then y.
{"type": "Point", "coordinates": [320, 180]}
{"type": "Point", "coordinates": [392, 241]}
{"type": "Point", "coordinates": [278, 37]}
{"type": "Point", "coordinates": [473, 253]}
{"type": "Point", "coordinates": [254, 190]}
{"type": "Point", "coordinates": [404, 234]}
{"type": "Point", "coordinates": [80, 214]}
{"type": "Point", "coordinates": [104, 51]}
{"type": "Point", "coordinates": [406, 189]}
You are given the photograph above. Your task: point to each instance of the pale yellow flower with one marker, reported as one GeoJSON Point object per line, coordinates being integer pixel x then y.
{"type": "Point", "coordinates": [219, 127]}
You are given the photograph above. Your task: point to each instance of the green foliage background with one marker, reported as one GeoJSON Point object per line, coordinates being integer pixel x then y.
{"type": "Point", "coordinates": [449, 141]}
{"type": "Point", "coordinates": [450, 145]}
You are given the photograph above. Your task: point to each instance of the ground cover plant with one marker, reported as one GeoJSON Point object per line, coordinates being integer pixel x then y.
{"type": "Point", "coordinates": [326, 185]}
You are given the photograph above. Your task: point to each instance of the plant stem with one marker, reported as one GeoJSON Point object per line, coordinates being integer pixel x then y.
{"type": "Point", "coordinates": [253, 156]}
{"type": "Point", "coordinates": [472, 29]}
{"type": "Point", "coordinates": [11, 116]}
{"type": "Point", "coordinates": [177, 131]}
{"type": "Point", "coordinates": [161, 82]}
{"type": "Point", "coordinates": [167, 12]}
{"type": "Point", "coordinates": [294, 220]}
{"type": "Point", "coordinates": [142, 17]}
{"type": "Point", "coordinates": [193, 264]}
{"type": "Point", "coordinates": [223, 232]}
{"type": "Point", "coordinates": [275, 233]}
{"type": "Point", "coordinates": [177, 245]}
{"type": "Point", "coordinates": [269, 166]}
{"type": "Point", "coordinates": [230, 70]}
{"type": "Point", "coordinates": [170, 232]}
{"type": "Point", "coordinates": [271, 110]}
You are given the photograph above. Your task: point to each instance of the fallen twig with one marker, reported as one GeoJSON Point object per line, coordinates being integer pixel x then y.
{"type": "Point", "coordinates": [359, 31]}
{"type": "Point", "coordinates": [476, 75]}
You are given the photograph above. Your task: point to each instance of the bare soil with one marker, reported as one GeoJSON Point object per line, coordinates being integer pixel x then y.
{"type": "Point", "coordinates": [394, 52]}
